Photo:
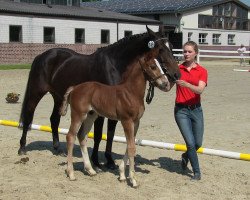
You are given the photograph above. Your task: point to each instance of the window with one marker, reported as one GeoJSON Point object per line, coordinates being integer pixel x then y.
{"type": "Point", "coordinates": [202, 38]}
{"type": "Point", "coordinates": [205, 21]}
{"type": "Point", "coordinates": [190, 36]}
{"type": "Point", "coordinates": [15, 33]}
{"type": "Point", "coordinates": [49, 35]}
{"type": "Point", "coordinates": [231, 39]}
{"type": "Point", "coordinates": [105, 37]}
{"type": "Point", "coordinates": [230, 16]}
{"type": "Point", "coordinates": [127, 33]}
{"type": "Point", "coordinates": [79, 35]}
{"type": "Point", "coordinates": [216, 38]}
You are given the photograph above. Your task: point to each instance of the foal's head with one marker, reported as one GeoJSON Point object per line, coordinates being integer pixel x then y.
{"type": "Point", "coordinates": [165, 57]}
{"type": "Point", "coordinates": [153, 71]}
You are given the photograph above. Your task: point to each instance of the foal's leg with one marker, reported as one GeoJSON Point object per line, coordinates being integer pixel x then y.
{"type": "Point", "coordinates": [76, 122]}
{"type": "Point", "coordinates": [83, 137]}
{"type": "Point", "coordinates": [110, 136]}
{"type": "Point", "coordinates": [98, 127]}
{"type": "Point", "coordinates": [129, 128]}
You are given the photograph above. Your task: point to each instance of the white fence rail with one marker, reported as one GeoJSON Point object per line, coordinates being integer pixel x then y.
{"type": "Point", "coordinates": [180, 55]}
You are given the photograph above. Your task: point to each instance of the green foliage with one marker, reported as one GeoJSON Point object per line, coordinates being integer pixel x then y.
{"type": "Point", "coordinates": [17, 66]}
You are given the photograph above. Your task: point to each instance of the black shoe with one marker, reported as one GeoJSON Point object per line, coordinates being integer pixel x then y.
{"type": "Point", "coordinates": [196, 177]}
{"type": "Point", "coordinates": [184, 161]}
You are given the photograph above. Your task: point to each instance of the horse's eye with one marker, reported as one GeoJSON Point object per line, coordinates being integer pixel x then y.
{"type": "Point", "coordinates": [153, 67]}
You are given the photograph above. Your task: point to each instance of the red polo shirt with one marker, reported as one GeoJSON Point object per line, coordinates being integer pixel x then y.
{"type": "Point", "coordinates": [185, 95]}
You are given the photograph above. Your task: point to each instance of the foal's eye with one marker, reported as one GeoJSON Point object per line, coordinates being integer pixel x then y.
{"type": "Point", "coordinates": [153, 67]}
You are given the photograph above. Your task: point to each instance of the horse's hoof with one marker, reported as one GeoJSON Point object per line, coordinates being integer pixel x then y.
{"type": "Point", "coordinates": [111, 166]}
{"type": "Point", "coordinates": [98, 169]}
{"type": "Point", "coordinates": [59, 152]}
{"type": "Point", "coordinates": [22, 151]}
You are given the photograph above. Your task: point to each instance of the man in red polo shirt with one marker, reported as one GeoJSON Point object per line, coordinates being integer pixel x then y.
{"type": "Point", "coordinates": [188, 111]}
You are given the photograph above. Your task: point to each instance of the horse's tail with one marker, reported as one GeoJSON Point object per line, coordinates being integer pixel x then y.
{"type": "Point", "coordinates": [27, 95]}
{"type": "Point", "coordinates": [65, 103]}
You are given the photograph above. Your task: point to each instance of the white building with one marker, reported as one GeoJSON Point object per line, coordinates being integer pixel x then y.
{"type": "Point", "coordinates": [213, 24]}
{"type": "Point", "coordinates": [28, 29]}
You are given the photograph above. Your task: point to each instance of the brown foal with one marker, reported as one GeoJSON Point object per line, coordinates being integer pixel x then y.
{"type": "Point", "coordinates": [123, 102]}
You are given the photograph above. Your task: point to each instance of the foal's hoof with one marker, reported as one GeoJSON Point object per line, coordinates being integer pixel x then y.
{"type": "Point", "coordinates": [91, 172]}
{"type": "Point", "coordinates": [70, 175]}
{"type": "Point", "coordinates": [122, 179]}
{"type": "Point", "coordinates": [134, 183]}
{"type": "Point", "coordinates": [22, 151]}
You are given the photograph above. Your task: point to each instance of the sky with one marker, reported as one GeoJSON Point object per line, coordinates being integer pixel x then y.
{"type": "Point", "coordinates": [247, 2]}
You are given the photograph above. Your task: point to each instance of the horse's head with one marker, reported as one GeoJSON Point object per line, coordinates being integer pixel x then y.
{"type": "Point", "coordinates": [164, 54]}
{"type": "Point", "coordinates": [153, 71]}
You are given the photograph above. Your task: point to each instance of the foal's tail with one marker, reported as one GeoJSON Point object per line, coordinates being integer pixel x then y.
{"type": "Point", "coordinates": [65, 103]}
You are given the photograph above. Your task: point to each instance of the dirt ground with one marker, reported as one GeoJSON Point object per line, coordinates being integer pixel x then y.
{"type": "Point", "coordinates": [227, 127]}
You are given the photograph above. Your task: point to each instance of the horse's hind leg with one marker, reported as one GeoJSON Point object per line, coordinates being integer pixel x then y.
{"type": "Point", "coordinates": [83, 137]}
{"type": "Point", "coordinates": [110, 136]}
{"type": "Point", "coordinates": [29, 105]}
{"type": "Point", "coordinates": [98, 127]}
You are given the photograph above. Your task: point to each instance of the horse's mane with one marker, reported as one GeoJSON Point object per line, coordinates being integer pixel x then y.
{"type": "Point", "coordinates": [123, 41]}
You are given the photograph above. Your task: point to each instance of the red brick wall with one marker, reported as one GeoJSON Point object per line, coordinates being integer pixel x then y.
{"type": "Point", "coordinates": [18, 53]}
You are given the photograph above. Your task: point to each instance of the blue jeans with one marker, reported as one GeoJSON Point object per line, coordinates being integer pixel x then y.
{"type": "Point", "coordinates": [191, 125]}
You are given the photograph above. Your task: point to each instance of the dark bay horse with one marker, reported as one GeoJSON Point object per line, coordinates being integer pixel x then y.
{"type": "Point", "coordinates": [58, 68]}
{"type": "Point", "coordinates": [123, 102]}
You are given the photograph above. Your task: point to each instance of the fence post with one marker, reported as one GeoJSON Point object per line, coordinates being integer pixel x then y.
{"type": "Point", "coordinates": [198, 56]}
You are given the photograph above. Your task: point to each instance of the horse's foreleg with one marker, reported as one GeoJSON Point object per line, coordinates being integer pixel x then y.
{"type": "Point", "coordinates": [83, 137]}
{"type": "Point", "coordinates": [98, 127]}
{"type": "Point", "coordinates": [129, 128]}
{"type": "Point", "coordinates": [55, 121]}
{"type": "Point", "coordinates": [110, 136]}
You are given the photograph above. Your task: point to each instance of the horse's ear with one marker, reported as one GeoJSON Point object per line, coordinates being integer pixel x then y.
{"type": "Point", "coordinates": [150, 32]}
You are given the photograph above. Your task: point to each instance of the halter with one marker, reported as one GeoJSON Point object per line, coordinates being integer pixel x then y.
{"type": "Point", "coordinates": [152, 82]}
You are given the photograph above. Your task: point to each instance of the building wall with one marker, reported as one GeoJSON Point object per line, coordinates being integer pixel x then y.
{"type": "Point", "coordinates": [190, 19]}
{"type": "Point", "coordinates": [32, 36]}
{"type": "Point", "coordinates": [241, 37]}
{"type": "Point", "coordinates": [189, 23]}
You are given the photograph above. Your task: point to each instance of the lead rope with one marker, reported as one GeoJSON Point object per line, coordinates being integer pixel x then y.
{"type": "Point", "coordinates": [150, 93]}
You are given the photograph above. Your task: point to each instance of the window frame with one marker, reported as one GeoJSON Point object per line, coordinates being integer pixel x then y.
{"type": "Point", "coordinates": [53, 38]}
{"type": "Point", "coordinates": [82, 38]}
{"type": "Point", "coordinates": [203, 40]}
{"type": "Point", "coordinates": [231, 41]}
{"type": "Point", "coordinates": [215, 39]}
{"type": "Point", "coordinates": [107, 40]}
{"type": "Point", "coordinates": [16, 33]}
{"type": "Point", "coordinates": [128, 33]}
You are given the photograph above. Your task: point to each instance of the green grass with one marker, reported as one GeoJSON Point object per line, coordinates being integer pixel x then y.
{"type": "Point", "coordinates": [17, 66]}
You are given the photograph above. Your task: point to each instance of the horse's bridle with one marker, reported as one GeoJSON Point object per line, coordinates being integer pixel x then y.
{"type": "Point", "coordinates": [152, 84]}
{"type": "Point", "coordinates": [149, 78]}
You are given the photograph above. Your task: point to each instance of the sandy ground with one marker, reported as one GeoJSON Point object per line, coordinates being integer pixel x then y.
{"type": "Point", "coordinates": [227, 116]}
